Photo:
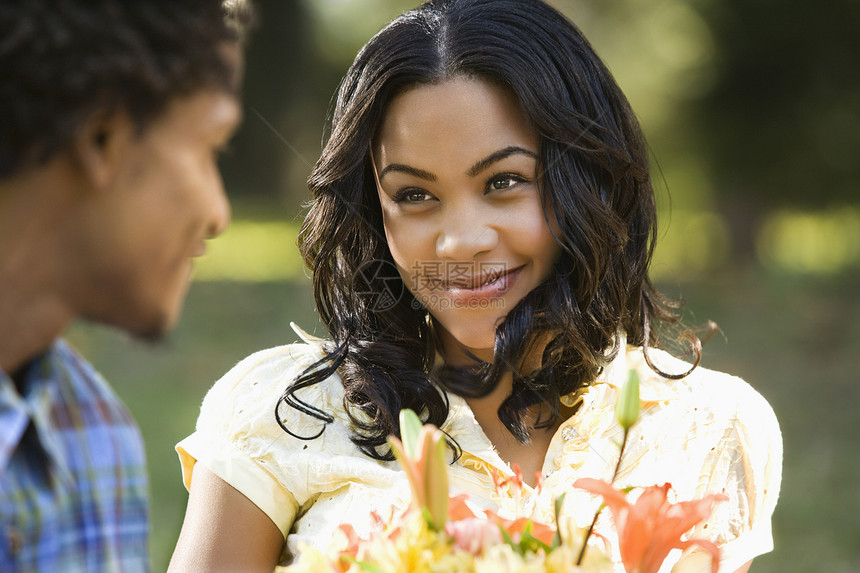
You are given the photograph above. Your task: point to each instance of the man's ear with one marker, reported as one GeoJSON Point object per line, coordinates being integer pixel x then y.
{"type": "Point", "coordinates": [99, 146]}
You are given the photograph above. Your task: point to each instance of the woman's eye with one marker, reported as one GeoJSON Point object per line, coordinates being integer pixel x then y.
{"type": "Point", "coordinates": [504, 181]}
{"type": "Point", "coordinates": [411, 196]}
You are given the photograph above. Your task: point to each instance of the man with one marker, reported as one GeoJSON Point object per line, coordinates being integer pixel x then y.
{"type": "Point", "coordinates": [112, 114]}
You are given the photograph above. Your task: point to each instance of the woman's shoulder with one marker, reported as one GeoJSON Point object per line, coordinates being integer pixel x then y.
{"type": "Point", "coordinates": [277, 455]}
{"type": "Point", "coordinates": [720, 394]}
{"type": "Point", "coordinates": [266, 371]}
{"type": "Point", "coordinates": [720, 435]}
{"type": "Point", "coordinates": [245, 407]}
{"type": "Point", "coordinates": [243, 402]}
{"type": "Point", "coordinates": [710, 421]}
{"type": "Point", "coordinates": [699, 420]}
{"type": "Point", "coordinates": [274, 369]}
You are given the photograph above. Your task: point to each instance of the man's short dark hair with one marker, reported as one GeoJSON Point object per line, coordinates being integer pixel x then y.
{"type": "Point", "coordinates": [61, 61]}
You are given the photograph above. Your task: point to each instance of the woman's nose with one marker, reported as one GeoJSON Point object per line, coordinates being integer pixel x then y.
{"type": "Point", "coordinates": [464, 235]}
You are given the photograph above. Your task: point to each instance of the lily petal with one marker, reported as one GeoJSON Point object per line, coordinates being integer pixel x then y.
{"type": "Point", "coordinates": [611, 496]}
{"type": "Point", "coordinates": [652, 526]}
{"type": "Point", "coordinates": [435, 475]}
{"type": "Point", "coordinates": [411, 468]}
{"type": "Point", "coordinates": [708, 546]}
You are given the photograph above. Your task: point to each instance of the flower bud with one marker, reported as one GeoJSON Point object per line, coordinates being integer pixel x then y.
{"type": "Point", "coordinates": [627, 406]}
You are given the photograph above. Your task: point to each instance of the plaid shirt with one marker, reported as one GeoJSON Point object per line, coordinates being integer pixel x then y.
{"type": "Point", "coordinates": [73, 485]}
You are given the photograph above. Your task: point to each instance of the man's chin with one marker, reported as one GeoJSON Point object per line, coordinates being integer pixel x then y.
{"type": "Point", "coordinates": [159, 329]}
{"type": "Point", "coordinates": [153, 336]}
{"type": "Point", "coordinates": [152, 331]}
{"type": "Point", "coordinates": [152, 327]}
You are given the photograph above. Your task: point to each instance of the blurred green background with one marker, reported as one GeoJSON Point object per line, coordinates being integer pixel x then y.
{"type": "Point", "coordinates": [752, 109]}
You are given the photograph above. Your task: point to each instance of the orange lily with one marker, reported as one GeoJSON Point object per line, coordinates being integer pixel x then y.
{"type": "Point", "coordinates": [458, 509]}
{"type": "Point", "coordinates": [651, 527]}
{"type": "Point", "coordinates": [346, 556]}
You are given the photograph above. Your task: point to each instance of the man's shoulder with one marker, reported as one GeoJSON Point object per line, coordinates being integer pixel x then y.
{"type": "Point", "coordinates": [67, 363]}
{"type": "Point", "coordinates": [80, 386]}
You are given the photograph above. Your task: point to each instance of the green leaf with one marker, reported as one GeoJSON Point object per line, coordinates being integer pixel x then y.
{"type": "Point", "coordinates": [506, 537]}
{"type": "Point", "coordinates": [556, 539]}
{"type": "Point", "coordinates": [530, 543]}
{"type": "Point", "coordinates": [527, 543]}
{"type": "Point", "coordinates": [364, 565]}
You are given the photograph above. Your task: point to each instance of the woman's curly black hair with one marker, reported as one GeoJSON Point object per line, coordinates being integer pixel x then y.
{"type": "Point", "coordinates": [593, 175]}
{"type": "Point", "coordinates": [61, 61]}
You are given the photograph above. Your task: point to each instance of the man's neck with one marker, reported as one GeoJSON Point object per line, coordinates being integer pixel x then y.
{"type": "Point", "coordinates": [29, 327]}
{"type": "Point", "coordinates": [32, 312]}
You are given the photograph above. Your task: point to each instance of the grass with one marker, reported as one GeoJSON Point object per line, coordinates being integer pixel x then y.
{"type": "Point", "coordinates": [795, 339]}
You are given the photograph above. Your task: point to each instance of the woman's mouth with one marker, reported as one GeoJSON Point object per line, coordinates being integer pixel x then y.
{"type": "Point", "coordinates": [485, 286]}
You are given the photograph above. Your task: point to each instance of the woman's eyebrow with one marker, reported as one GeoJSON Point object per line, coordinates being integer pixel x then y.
{"type": "Point", "coordinates": [477, 168]}
{"type": "Point", "coordinates": [401, 168]}
{"type": "Point", "coordinates": [498, 156]}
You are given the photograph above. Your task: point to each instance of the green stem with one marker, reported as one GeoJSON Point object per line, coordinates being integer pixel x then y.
{"type": "Point", "coordinates": [597, 513]}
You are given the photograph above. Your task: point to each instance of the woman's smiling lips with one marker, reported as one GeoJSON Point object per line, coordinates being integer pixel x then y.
{"type": "Point", "coordinates": [486, 286]}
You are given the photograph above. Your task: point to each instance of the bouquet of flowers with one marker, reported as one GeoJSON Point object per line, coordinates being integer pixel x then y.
{"type": "Point", "coordinates": [442, 533]}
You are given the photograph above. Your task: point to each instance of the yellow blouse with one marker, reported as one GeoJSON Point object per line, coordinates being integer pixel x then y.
{"type": "Point", "coordinates": [709, 432]}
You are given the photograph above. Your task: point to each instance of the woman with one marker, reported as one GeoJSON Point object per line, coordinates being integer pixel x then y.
{"type": "Point", "coordinates": [480, 233]}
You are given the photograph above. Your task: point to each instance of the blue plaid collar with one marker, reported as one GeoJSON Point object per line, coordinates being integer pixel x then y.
{"type": "Point", "coordinates": [18, 411]}
{"type": "Point", "coordinates": [14, 418]}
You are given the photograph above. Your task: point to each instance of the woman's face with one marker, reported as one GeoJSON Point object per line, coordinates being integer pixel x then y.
{"type": "Point", "coordinates": [456, 171]}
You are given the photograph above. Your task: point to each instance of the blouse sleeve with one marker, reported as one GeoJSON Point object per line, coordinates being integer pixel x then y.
{"type": "Point", "coordinates": [237, 436]}
{"type": "Point", "coordinates": [745, 463]}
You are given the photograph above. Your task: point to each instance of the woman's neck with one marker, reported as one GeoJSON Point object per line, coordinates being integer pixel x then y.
{"type": "Point", "coordinates": [530, 456]}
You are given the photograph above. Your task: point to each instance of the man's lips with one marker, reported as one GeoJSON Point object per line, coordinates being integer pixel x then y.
{"type": "Point", "coordinates": [200, 250]}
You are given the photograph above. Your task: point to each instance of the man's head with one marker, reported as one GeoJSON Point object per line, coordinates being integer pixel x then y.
{"type": "Point", "coordinates": [64, 61]}
{"type": "Point", "coordinates": [113, 115]}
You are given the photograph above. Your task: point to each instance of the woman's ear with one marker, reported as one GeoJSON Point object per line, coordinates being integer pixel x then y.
{"type": "Point", "coordinates": [99, 146]}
